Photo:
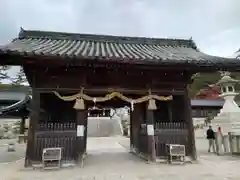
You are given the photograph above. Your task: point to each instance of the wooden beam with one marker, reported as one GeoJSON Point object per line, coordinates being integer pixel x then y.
{"type": "Point", "coordinates": [57, 61]}
{"type": "Point", "coordinates": [109, 90]}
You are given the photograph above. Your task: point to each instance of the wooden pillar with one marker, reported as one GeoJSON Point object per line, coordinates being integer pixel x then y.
{"type": "Point", "coordinates": [151, 137]}
{"type": "Point", "coordinates": [34, 118]}
{"type": "Point", "coordinates": [189, 121]}
{"type": "Point", "coordinates": [170, 111]}
{"type": "Point", "coordinates": [80, 144]}
{"type": "Point", "coordinates": [22, 125]}
{"type": "Point", "coordinates": [131, 130]}
{"type": "Point", "coordinates": [135, 123]}
{"type": "Point", "coordinates": [85, 131]}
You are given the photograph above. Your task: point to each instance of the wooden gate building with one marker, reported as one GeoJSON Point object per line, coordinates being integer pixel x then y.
{"type": "Point", "coordinates": [74, 70]}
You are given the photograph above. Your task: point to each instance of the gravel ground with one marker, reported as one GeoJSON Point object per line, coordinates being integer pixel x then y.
{"type": "Point", "coordinates": [7, 157]}
{"type": "Point", "coordinates": [108, 159]}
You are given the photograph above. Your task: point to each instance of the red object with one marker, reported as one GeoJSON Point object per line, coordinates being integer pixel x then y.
{"type": "Point", "coordinates": [211, 93]}
{"type": "Point", "coordinates": [220, 131]}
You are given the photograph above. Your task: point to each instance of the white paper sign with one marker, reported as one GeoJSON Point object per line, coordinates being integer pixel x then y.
{"type": "Point", "coordinates": [80, 130]}
{"type": "Point", "coordinates": [150, 130]}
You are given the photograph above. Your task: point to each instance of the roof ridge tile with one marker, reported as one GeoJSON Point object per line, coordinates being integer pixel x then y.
{"type": "Point", "coordinates": [106, 38]}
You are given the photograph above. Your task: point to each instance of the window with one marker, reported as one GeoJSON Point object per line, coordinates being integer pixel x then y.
{"type": "Point", "coordinates": [224, 89]}
{"type": "Point", "coordinates": [230, 88]}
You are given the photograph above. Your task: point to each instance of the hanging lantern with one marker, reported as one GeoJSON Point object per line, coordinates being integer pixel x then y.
{"type": "Point", "coordinates": [79, 104]}
{"type": "Point", "coordinates": [152, 104]}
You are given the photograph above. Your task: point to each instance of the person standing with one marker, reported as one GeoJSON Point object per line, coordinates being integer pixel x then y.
{"type": "Point", "coordinates": [223, 140]}
{"type": "Point", "coordinates": [211, 139]}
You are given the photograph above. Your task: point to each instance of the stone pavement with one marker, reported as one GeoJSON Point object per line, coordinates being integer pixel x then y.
{"type": "Point", "coordinates": [201, 133]}
{"type": "Point", "coordinates": [8, 169]}
{"type": "Point", "coordinates": [7, 157]}
{"type": "Point", "coordinates": [5, 142]}
{"type": "Point", "coordinates": [103, 127]}
{"type": "Point", "coordinates": [108, 159]}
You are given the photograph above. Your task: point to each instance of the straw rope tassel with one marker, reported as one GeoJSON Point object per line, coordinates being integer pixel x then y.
{"type": "Point", "coordinates": [151, 103]}
{"type": "Point", "coordinates": [79, 104]}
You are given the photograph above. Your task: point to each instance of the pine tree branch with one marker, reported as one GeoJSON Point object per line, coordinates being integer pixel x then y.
{"type": "Point", "coordinates": [4, 73]}
{"type": "Point", "coordinates": [19, 78]}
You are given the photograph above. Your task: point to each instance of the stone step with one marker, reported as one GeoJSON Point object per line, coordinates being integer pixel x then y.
{"type": "Point", "coordinates": [103, 127]}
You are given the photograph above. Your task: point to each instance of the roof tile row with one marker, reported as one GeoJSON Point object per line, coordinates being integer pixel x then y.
{"type": "Point", "coordinates": [108, 47]}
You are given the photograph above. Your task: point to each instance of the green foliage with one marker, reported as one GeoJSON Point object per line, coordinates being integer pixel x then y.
{"type": "Point", "coordinates": [236, 75]}
{"type": "Point", "coordinates": [14, 87]}
{"type": "Point", "coordinates": [6, 86]}
{"type": "Point", "coordinates": [203, 80]}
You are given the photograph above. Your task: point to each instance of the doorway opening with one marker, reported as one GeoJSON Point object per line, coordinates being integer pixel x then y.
{"type": "Point", "coordinates": [105, 127]}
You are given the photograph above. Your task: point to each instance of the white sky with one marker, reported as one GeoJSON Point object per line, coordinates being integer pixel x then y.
{"type": "Point", "coordinates": [213, 24]}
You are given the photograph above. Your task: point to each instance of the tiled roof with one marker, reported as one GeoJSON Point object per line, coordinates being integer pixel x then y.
{"type": "Point", "coordinates": [103, 47]}
{"type": "Point", "coordinates": [21, 104]}
{"type": "Point", "coordinates": [204, 102]}
{"type": "Point", "coordinates": [12, 96]}
{"type": "Point", "coordinates": [208, 103]}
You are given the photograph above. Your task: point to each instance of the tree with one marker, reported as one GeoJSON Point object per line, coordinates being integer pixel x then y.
{"type": "Point", "coordinates": [4, 73]}
{"type": "Point", "coordinates": [20, 78]}
{"type": "Point", "coordinates": [203, 80]}
{"type": "Point", "coordinates": [237, 54]}
{"type": "Point", "coordinates": [17, 80]}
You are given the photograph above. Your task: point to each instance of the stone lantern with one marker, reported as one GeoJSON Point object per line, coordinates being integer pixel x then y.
{"type": "Point", "coordinates": [227, 85]}
{"type": "Point", "coordinates": [228, 117]}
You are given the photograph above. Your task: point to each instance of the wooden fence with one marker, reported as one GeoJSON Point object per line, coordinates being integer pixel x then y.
{"type": "Point", "coordinates": [56, 126]}
{"type": "Point", "coordinates": [58, 135]}
{"type": "Point", "coordinates": [165, 133]}
{"type": "Point", "coordinates": [170, 133]}
{"type": "Point", "coordinates": [143, 143]}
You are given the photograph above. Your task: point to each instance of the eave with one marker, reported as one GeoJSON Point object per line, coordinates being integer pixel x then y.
{"type": "Point", "coordinates": [13, 59]}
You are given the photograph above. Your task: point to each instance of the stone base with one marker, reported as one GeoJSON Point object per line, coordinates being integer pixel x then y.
{"type": "Point", "coordinates": [234, 144]}
{"type": "Point", "coordinates": [222, 144]}
{"type": "Point", "coordinates": [229, 122]}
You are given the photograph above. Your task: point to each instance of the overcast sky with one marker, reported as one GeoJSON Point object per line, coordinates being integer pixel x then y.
{"type": "Point", "coordinates": [213, 24]}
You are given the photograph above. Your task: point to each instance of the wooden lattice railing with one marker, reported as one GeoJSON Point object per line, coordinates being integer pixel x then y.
{"type": "Point", "coordinates": [56, 126]}
{"type": "Point", "coordinates": [165, 133]}
{"type": "Point", "coordinates": [170, 133]}
{"type": "Point", "coordinates": [65, 140]}
{"type": "Point", "coordinates": [63, 135]}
